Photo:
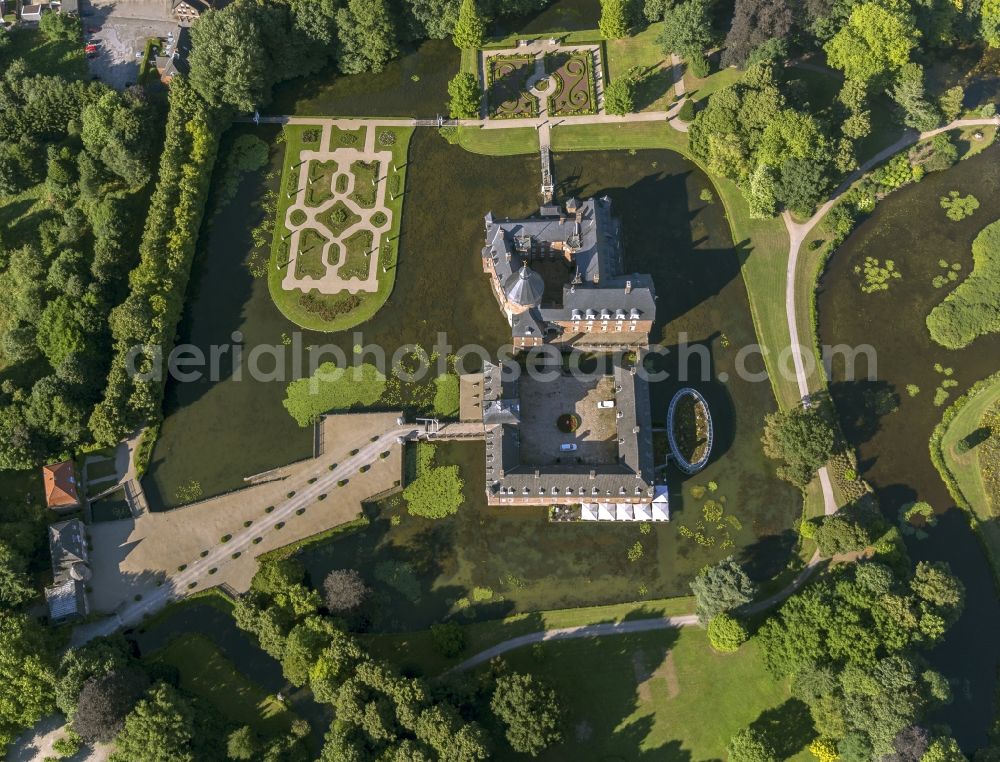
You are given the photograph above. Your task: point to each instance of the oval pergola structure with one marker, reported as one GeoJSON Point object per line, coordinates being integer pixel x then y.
{"type": "Point", "coordinates": [700, 404]}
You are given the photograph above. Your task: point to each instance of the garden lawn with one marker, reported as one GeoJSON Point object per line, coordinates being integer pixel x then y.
{"type": "Point", "coordinates": [655, 92]}
{"type": "Point", "coordinates": [206, 673]}
{"type": "Point", "coordinates": [660, 695]}
{"type": "Point", "coordinates": [446, 395]}
{"type": "Point", "coordinates": [968, 469]}
{"type": "Point", "coordinates": [416, 651]}
{"type": "Point", "coordinates": [336, 312]}
{"type": "Point", "coordinates": [505, 142]}
{"type": "Point", "coordinates": [64, 57]}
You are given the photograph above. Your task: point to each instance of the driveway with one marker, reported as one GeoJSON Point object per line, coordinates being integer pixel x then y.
{"type": "Point", "coordinates": [120, 30]}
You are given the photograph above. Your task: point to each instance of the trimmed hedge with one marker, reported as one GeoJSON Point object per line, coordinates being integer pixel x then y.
{"type": "Point", "coordinates": [150, 314]}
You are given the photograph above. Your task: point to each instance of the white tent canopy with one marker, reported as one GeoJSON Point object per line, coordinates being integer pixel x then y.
{"type": "Point", "coordinates": [661, 504]}
{"type": "Point", "coordinates": [643, 513]}
{"type": "Point", "coordinates": [606, 512]}
{"type": "Point", "coordinates": [588, 511]}
{"type": "Point", "coordinates": [623, 512]}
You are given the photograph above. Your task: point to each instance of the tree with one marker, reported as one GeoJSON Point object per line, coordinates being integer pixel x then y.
{"type": "Point", "coordinates": [802, 438]}
{"type": "Point", "coordinates": [615, 20]}
{"type": "Point", "coordinates": [60, 26]}
{"type": "Point", "coordinates": [104, 702]}
{"type": "Point", "coordinates": [15, 587]}
{"type": "Point", "coordinates": [159, 729]}
{"type": "Point", "coordinates": [470, 27]}
{"type": "Point", "coordinates": [935, 584]}
{"type": "Point", "coordinates": [876, 40]}
{"type": "Point", "coordinates": [687, 29]}
{"type": "Point", "coordinates": [840, 534]}
{"type": "Point", "coordinates": [951, 102]}
{"type": "Point", "coordinates": [96, 657]}
{"type": "Point", "coordinates": [367, 37]}
{"type": "Point", "coordinates": [274, 575]}
{"type": "Point", "coordinates": [990, 22]}
{"type": "Point", "coordinates": [908, 92]}
{"type": "Point", "coordinates": [944, 750]}
{"type": "Point", "coordinates": [910, 744]}
{"type": "Point", "coordinates": [230, 63]}
{"type": "Point", "coordinates": [243, 743]}
{"type": "Point", "coordinates": [801, 184]}
{"type": "Point", "coordinates": [529, 711]}
{"type": "Point", "coordinates": [119, 130]}
{"type": "Point", "coordinates": [449, 638]}
{"type": "Point", "coordinates": [726, 633]}
{"type": "Point", "coordinates": [755, 23]}
{"type": "Point", "coordinates": [750, 745]}
{"type": "Point", "coordinates": [60, 330]}
{"type": "Point", "coordinates": [463, 89]}
{"type": "Point", "coordinates": [304, 644]}
{"type": "Point", "coordinates": [721, 588]}
{"type": "Point", "coordinates": [344, 589]}
{"type": "Point", "coordinates": [27, 675]}
{"type": "Point", "coordinates": [437, 17]}
{"type": "Point", "coordinates": [18, 166]}
{"type": "Point", "coordinates": [436, 493]}
{"type": "Point", "coordinates": [619, 93]}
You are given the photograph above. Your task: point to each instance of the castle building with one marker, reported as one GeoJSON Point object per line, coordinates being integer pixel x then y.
{"type": "Point", "coordinates": [585, 298]}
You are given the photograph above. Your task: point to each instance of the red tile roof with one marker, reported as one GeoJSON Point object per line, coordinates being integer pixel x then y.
{"type": "Point", "coordinates": [60, 485]}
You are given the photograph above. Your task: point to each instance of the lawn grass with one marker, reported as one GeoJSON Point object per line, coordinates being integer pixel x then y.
{"type": "Point", "coordinates": [700, 89]}
{"type": "Point", "coordinates": [320, 182]}
{"type": "Point", "coordinates": [356, 262]}
{"type": "Point", "coordinates": [662, 695]}
{"type": "Point", "coordinates": [505, 142]}
{"type": "Point", "coordinates": [416, 651]}
{"type": "Point", "coordinates": [655, 91]}
{"type": "Point", "coordinates": [966, 467]}
{"type": "Point", "coordinates": [366, 174]}
{"type": "Point", "coordinates": [206, 673]}
{"type": "Point", "coordinates": [336, 312]}
{"type": "Point", "coordinates": [309, 261]}
{"type": "Point", "coordinates": [63, 57]}
{"type": "Point", "coordinates": [446, 396]}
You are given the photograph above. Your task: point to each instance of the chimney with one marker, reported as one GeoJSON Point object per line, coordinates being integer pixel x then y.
{"type": "Point", "coordinates": [628, 287]}
{"type": "Point", "coordinates": [593, 474]}
{"type": "Point", "coordinates": [537, 473]}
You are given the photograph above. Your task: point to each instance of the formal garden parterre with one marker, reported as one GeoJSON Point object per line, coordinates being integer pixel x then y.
{"type": "Point", "coordinates": [334, 244]}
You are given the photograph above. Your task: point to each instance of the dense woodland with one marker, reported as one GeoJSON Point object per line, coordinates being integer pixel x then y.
{"type": "Point", "coordinates": [107, 269]}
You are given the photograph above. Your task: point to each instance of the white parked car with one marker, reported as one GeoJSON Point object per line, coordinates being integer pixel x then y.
{"type": "Point", "coordinates": [603, 404]}
{"type": "Point", "coordinates": [568, 447]}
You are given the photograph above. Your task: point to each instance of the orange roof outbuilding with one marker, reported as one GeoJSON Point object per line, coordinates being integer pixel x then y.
{"type": "Point", "coordinates": [60, 485]}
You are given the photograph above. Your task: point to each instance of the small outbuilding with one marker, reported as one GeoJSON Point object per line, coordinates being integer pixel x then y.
{"type": "Point", "coordinates": [33, 12]}
{"type": "Point", "coordinates": [61, 486]}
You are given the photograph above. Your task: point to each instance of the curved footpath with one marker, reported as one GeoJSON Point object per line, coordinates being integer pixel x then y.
{"type": "Point", "coordinates": [628, 626]}
{"type": "Point", "coordinates": [797, 232]}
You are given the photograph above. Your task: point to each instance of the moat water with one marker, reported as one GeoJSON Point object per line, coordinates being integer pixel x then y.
{"type": "Point", "coordinates": [911, 228]}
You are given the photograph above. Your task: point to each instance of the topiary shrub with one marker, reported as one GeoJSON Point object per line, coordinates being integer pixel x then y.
{"type": "Point", "coordinates": [687, 111]}
{"type": "Point", "coordinates": [725, 633]}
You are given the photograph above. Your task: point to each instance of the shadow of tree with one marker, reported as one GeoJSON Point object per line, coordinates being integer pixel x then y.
{"type": "Point", "coordinates": [788, 727]}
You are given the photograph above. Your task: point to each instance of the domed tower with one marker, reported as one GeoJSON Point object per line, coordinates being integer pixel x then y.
{"type": "Point", "coordinates": [524, 290]}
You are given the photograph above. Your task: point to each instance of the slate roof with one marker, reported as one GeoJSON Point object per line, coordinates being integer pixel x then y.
{"type": "Point", "coordinates": [600, 281]}
{"type": "Point", "coordinates": [632, 477]}
{"type": "Point", "coordinates": [66, 596]}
